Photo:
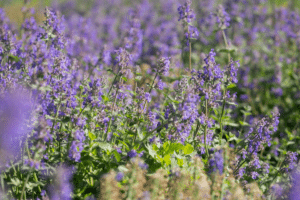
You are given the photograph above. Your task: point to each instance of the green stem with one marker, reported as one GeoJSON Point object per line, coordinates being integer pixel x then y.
{"type": "Point", "coordinates": [2, 183]}
{"type": "Point", "coordinates": [110, 121]}
{"type": "Point", "coordinates": [205, 128]}
{"type": "Point", "coordinates": [226, 44]}
{"type": "Point", "coordinates": [221, 117]}
{"type": "Point", "coordinates": [112, 84]}
{"type": "Point", "coordinates": [190, 55]}
{"type": "Point", "coordinates": [34, 174]}
{"type": "Point", "coordinates": [23, 189]}
{"type": "Point", "coordinates": [195, 133]}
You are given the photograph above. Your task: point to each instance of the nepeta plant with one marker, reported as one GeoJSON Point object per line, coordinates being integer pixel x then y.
{"type": "Point", "coordinates": [108, 88]}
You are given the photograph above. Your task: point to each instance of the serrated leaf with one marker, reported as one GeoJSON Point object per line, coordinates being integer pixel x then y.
{"type": "Point", "coordinates": [188, 149]}
{"type": "Point", "coordinates": [140, 133]}
{"type": "Point", "coordinates": [92, 136]}
{"type": "Point", "coordinates": [117, 155]}
{"type": "Point", "coordinates": [151, 151]}
{"type": "Point", "coordinates": [180, 162]}
{"type": "Point", "coordinates": [167, 159]}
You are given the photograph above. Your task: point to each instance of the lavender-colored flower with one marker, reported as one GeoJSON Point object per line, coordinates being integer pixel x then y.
{"type": "Point", "coordinates": [241, 172]}
{"type": "Point", "coordinates": [223, 18]}
{"type": "Point", "coordinates": [254, 175]}
{"type": "Point", "coordinates": [132, 153]}
{"type": "Point", "coordinates": [277, 92]}
{"type": "Point", "coordinates": [291, 159]}
{"type": "Point", "coordinates": [163, 66]}
{"type": "Point", "coordinates": [185, 12]}
{"type": "Point", "coordinates": [123, 58]}
{"type": "Point", "coordinates": [119, 176]}
{"type": "Point", "coordinates": [147, 97]}
{"type": "Point", "coordinates": [62, 188]}
{"type": "Point", "coordinates": [217, 162]}
{"type": "Point", "coordinates": [160, 84]}
{"type": "Point", "coordinates": [75, 150]}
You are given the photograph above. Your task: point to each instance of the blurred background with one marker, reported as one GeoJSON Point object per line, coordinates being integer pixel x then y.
{"type": "Point", "coordinates": [13, 7]}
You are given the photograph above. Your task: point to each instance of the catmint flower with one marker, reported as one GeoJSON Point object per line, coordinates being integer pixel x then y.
{"type": "Point", "coordinates": [163, 66]}
{"type": "Point", "coordinates": [147, 97]}
{"type": "Point", "coordinates": [160, 84]}
{"type": "Point", "coordinates": [119, 176]}
{"type": "Point", "coordinates": [241, 172]}
{"type": "Point", "coordinates": [291, 159]}
{"type": "Point", "coordinates": [254, 175]}
{"type": "Point", "coordinates": [123, 58]}
{"type": "Point", "coordinates": [185, 12]}
{"type": "Point", "coordinates": [75, 150]}
{"type": "Point", "coordinates": [223, 18]}
{"type": "Point", "coordinates": [277, 92]}
{"type": "Point", "coordinates": [132, 153]}
{"type": "Point", "coordinates": [217, 162]}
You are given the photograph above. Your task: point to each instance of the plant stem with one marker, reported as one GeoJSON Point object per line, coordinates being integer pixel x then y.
{"type": "Point", "coordinates": [190, 56]}
{"type": "Point", "coordinates": [205, 128]}
{"type": "Point", "coordinates": [2, 183]}
{"type": "Point", "coordinates": [195, 133]}
{"type": "Point", "coordinates": [34, 174]}
{"type": "Point", "coordinates": [110, 121]}
{"type": "Point", "coordinates": [226, 44]}
{"type": "Point", "coordinates": [221, 117]}
{"type": "Point", "coordinates": [23, 189]}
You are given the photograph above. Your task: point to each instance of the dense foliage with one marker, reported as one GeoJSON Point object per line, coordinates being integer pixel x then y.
{"type": "Point", "coordinates": [165, 81]}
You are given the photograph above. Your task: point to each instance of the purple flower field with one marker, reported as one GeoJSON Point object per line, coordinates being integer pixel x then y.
{"type": "Point", "coordinates": [164, 82]}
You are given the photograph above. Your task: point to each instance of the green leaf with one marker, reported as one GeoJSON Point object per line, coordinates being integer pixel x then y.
{"type": "Point", "coordinates": [126, 146]}
{"type": "Point", "coordinates": [124, 78]}
{"type": "Point", "coordinates": [188, 149]}
{"type": "Point", "coordinates": [151, 151]}
{"type": "Point", "coordinates": [140, 133]}
{"type": "Point", "coordinates": [290, 142]}
{"type": "Point", "coordinates": [231, 124]}
{"type": "Point", "coordinates": [227, 50]}
{"type": "Point", "coordinates": [232, 85]}
{"type": "Point", "coordinates": [138, 78]}
{"type": "Point", "coordinates": [92, 136]}
{"type": "Point", "coordinates": [14, 58]}
{"type": "Point", "coordinates": [167, 159]}
{"type": "Point", "coordinates": [105, 98]}
{"type": "Point", "coordinates": [244, 123]}
{"type": "Point", "coordinates": [103, 145]}
{"type": "Point", "coordinates": [122, 168]}
{"type": "Point", "coordinates": [117, 155]}
{"type": "Point", "coordinates": [180, 162]}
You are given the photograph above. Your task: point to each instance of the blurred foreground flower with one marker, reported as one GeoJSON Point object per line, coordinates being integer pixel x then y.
{"type": "Point", "coordinates": [61, 188]}
{"type": "Point", "coordinates": [15, 110]}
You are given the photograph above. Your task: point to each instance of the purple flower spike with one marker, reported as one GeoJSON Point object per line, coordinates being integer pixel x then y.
{"type": "Point", "coordinates": [119, 176]}
{"type": "Point", "coordinates": [132, 153]}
